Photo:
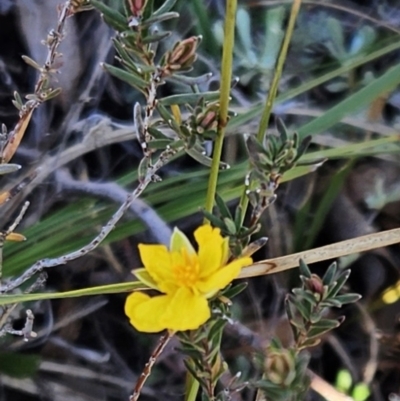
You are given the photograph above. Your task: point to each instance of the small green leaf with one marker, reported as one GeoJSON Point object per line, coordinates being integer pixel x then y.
{"type": "Point", "coordinates": [128, 77]}
{"type": "Point", "coordinates": [216, 332]}
{"type": "Point", "coordinates": [347, 298]}
{"type": "Point", "coordinates": [304, 270]}
{"type": "Point", "coordinates": [215, 221]}
{"type": "Point", "coordinates": [155, 37]}
{"type": "Point", "coordinates": [203, 159]}
{"type": "Point", "coordinates": [164, 113]}
{"type": "Point", "coordinates": [143, 168]}
{"type": "Point", "coordinates": [282, 130]}
{"type": "Point", "coordinates": [230, 225]}
{"type": "Point", "coordinates": [159, 143]}
{"type": "Point", "coordinates": [156, 133]}
{"type": "Point", "coordinates": [111, 16]}
{"type": "Point", "coordinates": [189, 98]}
{"type": "Point", "coordinates": [322, 327]}
{"type": "Point", "coordinates": [340, 282]}
{"type": "Point", "coordinates": [166, 6]}
{"type": "Point", "coordinates": [234, 290]}
{"type": "Point", "coordinates": [304, 307]}
{"type": "Point", "coordinates": [306, 295]}
{"type": "Point", "coordinates": [310, 342]}
{"type": "Point", "coordinates": [223, 208]}
{"type": "Point", "coordinates": [159, 18]}
{"type": "Point", "coordinates": [330, 274]}
{"type": "Point", "coordinates": [331, 303]}
{"type": "Point", "coordinates": [114, 23]}
{"type": "Point", "coordinates": [202, 79]}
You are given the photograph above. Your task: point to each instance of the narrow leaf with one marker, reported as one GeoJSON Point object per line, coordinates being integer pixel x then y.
{"type": "Point", "coordinates": [189, 98]}
{"type": "Point", "coordinates": [223, 208]}
{"type": "Point", "coordinates": [330, 274]}
{"type": "Point", "coordinates": [128, 77]}
{"type": "Point", "coordinates": [166, 6]}
{"type": "Point", "coordinates": [112, 16]}
{"type": "Point", "coordinates": [159, 18]}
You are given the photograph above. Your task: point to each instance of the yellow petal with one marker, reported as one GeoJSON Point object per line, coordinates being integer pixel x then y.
{"type": "Point", "coordinates": [157, 261]}
{"type": "Point", "coordinates": [186, 311]}
{"type": "Point", "coordinates": [211, 249]}
{"type": "Point", "coordinates": [179, 241]}
{"type": "Point", "coordinates": [145, 312]}
{"type": "Point", "coordinates": [221, 278]}
{"type": "Point", "coordinates": [225, 251]}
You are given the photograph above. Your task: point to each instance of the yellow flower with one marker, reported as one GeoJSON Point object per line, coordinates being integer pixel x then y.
{"type": "Point", "coordinates": [186, 279]}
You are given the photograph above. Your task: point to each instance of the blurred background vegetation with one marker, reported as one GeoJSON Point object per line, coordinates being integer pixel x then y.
{"type": "Point", "coordinates": [340, 85]}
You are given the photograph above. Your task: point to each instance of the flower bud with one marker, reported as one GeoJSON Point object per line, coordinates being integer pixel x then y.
{"type": "Point", "coordinates": [280, 367]}
{"type": "Point", "coordinates": [182, 56]}
{"type": "Point", "coordinates": [207, 121]}
{"type": "Point", "coordinates": [316, 286]}
{"type": "Point", "coordinates": [137, 7]}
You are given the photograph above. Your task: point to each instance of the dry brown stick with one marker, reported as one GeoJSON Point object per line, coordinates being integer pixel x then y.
{"type": "Point", "coordinates": [53, 41]}
{"type": "Point", "coordinates": [332, 251]}
{"type": "Point", "coordinates": [164, 340]}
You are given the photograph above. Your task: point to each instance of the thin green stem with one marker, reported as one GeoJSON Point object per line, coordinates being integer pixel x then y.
{"type": "Point", "coordinates": [278, 71]}
{"type": "Point", "coordinates": [226, 77]}
{"type": "Point", "coordinates": [266, 114]}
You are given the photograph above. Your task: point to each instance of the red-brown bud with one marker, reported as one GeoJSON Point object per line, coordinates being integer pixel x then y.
{"type": "Point", "coordinates": [315, 284]}
{"type": "Point", "coordinates": [207, 121]}
{"type": "Point", "coordinates": [182, 56]}
{"type": "Point", "coordinates": [137, 7]}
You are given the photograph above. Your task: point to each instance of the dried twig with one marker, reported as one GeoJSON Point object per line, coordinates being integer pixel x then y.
{"type": "Point", "coordinates": [42, 91]}
{"type": "Point", "coordinates": [149, 365]}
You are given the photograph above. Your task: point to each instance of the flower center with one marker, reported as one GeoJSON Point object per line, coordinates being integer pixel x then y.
{"type": "Point", "coordinates": [187, 272]}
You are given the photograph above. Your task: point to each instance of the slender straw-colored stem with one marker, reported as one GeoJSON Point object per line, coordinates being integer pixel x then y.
{"type": "Point", "coordinates": [226, 77]}
{"type": "Point", "coordinates": [278, 71]}
{"type": "Point", "coordinates": [327, 252]}
{"type": "Point", "coordinates": [266, 114]}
